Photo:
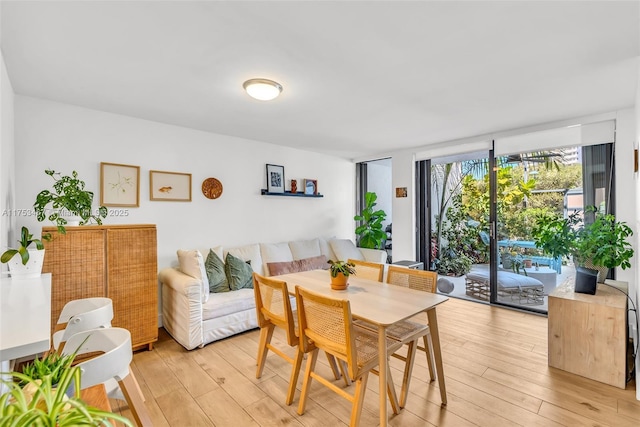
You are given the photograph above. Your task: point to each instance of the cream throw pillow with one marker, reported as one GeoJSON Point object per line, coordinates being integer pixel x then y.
{"type": "Point", "coordinates": [191, 263]}
{"type": "Point", "coordinates": [344, 249]}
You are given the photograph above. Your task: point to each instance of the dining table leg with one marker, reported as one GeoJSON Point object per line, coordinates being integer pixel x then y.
{"type": "Point", "coordinates": [383, 363]}
{"type": "Point", "coordinates": [437, 353]}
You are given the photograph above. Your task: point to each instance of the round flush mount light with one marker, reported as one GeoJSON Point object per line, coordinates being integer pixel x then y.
{"type": "Point", "coordinates": [262, 89]}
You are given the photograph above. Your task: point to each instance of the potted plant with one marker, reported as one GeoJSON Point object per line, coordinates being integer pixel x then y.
{"type": "Point", "coordinates": [601, 244]}
{"type": "Point", "coordinates": [370, 233]}
{"type": "Point", "coordinates": [340, 271]}
{"type": "Point", "coordinates": [68, 197]}
{"type": "Point", "coordinates": [40, 402]}
{"type": "Point", "coordinates": [29, 263]}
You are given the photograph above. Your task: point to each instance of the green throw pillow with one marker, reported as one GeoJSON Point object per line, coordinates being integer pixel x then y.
{"type": "Point", "coordinates": [216, 274]}
{"type": "Point", "coordinates": [239, 273]}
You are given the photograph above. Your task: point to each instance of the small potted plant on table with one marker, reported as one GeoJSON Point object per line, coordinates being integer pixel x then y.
{"type": "Point", "coordinates": [29, 263]}
{"type": "Point", "coordinates": [340, 271]}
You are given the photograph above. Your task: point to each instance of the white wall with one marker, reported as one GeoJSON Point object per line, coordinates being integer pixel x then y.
{"type": "Point", "coordinates": [636, 277]}
{"type": "Point", "coordinates": [7, 174]}
{"type": "Point", "coordinates": [404, 217]}
{"type": "Point", "coordinates": [62, 137]}
{"type": "Point", "coordinates": [379, 182]}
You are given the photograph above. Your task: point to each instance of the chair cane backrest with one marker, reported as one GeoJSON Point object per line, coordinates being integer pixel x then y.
{"type": "Point", "coordinates": [368, 270]}
{"type": "Point", "coordinates": [421, 280]}
{"type": "Point", "coordinates": [326, 323]}
{"type": "Point", "coordinates": [82, 315]}
{"type": "Point", "coordinates": [273, 305]}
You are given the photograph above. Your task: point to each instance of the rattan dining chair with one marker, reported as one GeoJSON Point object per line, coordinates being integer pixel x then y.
{"type": "Point", "coordinates": [273, 309]}
{"type": "Point", "coordinates": [368, 270]}
{"type": "Point", "coordinates": [409, 332]}
{"type": "Point", "coordinates": [326, 323]}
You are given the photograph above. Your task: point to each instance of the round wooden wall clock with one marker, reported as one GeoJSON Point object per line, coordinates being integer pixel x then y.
{"type": "Point", "coordinates": [211, 188]}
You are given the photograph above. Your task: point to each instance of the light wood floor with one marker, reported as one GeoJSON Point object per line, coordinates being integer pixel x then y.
{"type": "Point", "coordinates": [496, 371]}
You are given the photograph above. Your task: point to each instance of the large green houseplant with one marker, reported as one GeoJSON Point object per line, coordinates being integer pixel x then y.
{"type": "Point", "coordinates": [370, 232]}
{"type": "Point", "coordinates": [601, 244]}
{"type": "Point", "coordinates": [68, 195]}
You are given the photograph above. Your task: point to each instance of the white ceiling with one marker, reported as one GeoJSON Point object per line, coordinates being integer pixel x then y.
{"type": "Point", "coordinates": [359, 78]}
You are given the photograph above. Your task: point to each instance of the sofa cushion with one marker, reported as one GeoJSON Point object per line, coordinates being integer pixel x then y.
{"type": "Point", "coordinates": [325, 248]}
{"type": "Point", "coordinates": [248, 253]}
{"type": "Point", "coordinates": [191, 263]}
{"type": "Point", "coordinates": [275, 252]}
{"type": "Point", "coordinates": [227, 303]}
{"type": "Point", "coordinates": [306, 264]}
{"type": "Point", "coordinates": [344, 249]}
{"type": "Point", "coordinates": [215, 273]}
{"type": "Point", "coordinates": [301, 249]}
{"type": "Point", "coordinates": [239, 273]}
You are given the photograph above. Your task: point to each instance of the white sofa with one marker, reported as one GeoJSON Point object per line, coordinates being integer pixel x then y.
{"type": "Point", "coordinates": [195, 317]}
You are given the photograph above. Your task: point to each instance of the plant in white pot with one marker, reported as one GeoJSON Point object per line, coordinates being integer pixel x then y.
{"type": "Point", "coordinates": [68, 195]}
{"type": "Point", "coordinates": [29, 263]}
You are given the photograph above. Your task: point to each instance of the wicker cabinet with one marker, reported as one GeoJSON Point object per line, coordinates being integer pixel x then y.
{"type": "Point", "coordinates": [115, 261]}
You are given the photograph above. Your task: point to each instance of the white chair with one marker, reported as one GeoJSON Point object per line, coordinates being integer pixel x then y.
{"type": "Point", "coordinates": [113, 364]}
{"type": "Point", "coordinates": [81, 315]}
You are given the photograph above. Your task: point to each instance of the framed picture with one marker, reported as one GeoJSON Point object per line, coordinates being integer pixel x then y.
{"type": "Point", "coordinates": [275, 178]}
{"type": "Point", "coordinates": [119, 185]}
{"type": "Point", "coordinates": [170, 186]}
{"type": "Point", "coordinates": [311, 187]}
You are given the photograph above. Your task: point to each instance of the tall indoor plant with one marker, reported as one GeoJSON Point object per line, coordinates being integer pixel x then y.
{"type": "Point", "coordinates": [68, 194]}
{"type": "Point", "coordinates": [370, 232]}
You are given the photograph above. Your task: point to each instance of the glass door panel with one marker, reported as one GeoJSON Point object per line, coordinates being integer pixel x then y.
{"type": "Point", "coordinates": [460, 237]}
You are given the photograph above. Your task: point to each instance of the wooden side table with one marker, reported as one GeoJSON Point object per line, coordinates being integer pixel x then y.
{"type": "Point", "coordinates": [588, 333]}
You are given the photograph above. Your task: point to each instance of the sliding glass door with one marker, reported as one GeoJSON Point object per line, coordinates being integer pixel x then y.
{"type": "Point", "coordinates": [478, 212]}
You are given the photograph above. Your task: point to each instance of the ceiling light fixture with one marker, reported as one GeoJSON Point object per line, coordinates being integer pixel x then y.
{"type": "Point", "coordinates": [262, 89]}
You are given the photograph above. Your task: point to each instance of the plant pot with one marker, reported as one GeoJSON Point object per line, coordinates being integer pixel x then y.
{"type": "Point", "coordinates": [29, 271]}
{"type": "Point", "coordinates": [602, 271]}
{"type": "Point", "coordinates": [340, 282]}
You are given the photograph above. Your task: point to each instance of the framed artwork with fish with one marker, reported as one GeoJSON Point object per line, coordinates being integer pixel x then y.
{"type": "Point", "coordinates": [170, 186]}
{"type": "Point", "coordinates": [119, 185]}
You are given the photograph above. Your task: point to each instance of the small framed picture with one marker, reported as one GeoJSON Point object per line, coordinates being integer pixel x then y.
{"type": "Point", "coordinates": [119, 185]}
{"type": "Point", "coordinates": [311, 187]}
{"type": "Point", "coordinates": [170, 186]}
{"type": "Point", "coordinates": [275, 178]}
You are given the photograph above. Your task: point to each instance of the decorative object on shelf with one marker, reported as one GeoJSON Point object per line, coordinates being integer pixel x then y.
{"type": "Point", "coordinates": [169, 186]}
{"type": "Point", "coordinates": [310, 186]}
{"type": "Point", "coordinates": [275, 178]}
{"type": "Point", "coordinates": [370, 233]}
{"type": "Point", "coordinates": [29, 263]}
{"type": "Point", "coordinates": [69, 199]}
{"type": "Point", "coordinates": [340, 271]}
{"type": "Point", "coordinates": [119, 185]}
{"type": "Point", "coordinates": [401, 191]}
{"type": "Point", "coordinates": [294, 185]}
{"type": "Point", "coordinates": [211, 188]}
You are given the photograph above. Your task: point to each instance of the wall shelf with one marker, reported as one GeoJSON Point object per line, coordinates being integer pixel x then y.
{"type": "Point", "coordinates": [289, 194]}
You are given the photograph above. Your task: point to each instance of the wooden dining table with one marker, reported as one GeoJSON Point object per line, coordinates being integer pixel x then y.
{"type": "Point", "coordinates": [382, 305]}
